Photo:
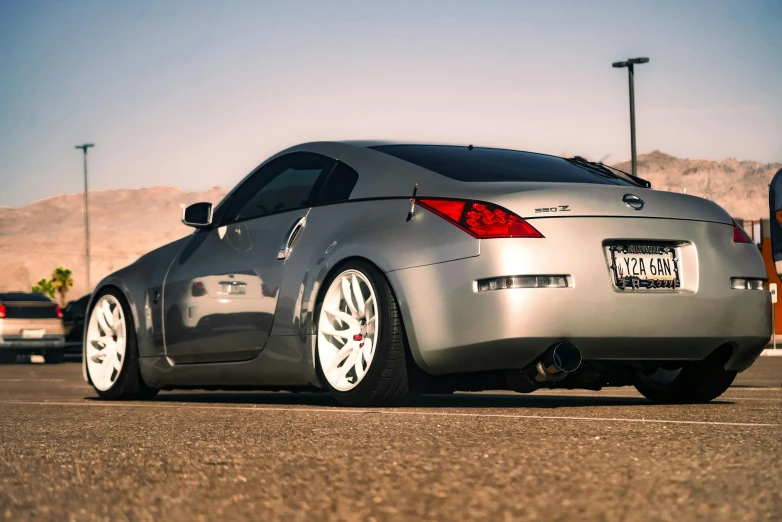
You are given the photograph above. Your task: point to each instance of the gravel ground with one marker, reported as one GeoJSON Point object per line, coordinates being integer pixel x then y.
{"type": "Point", "coordinates": [278, 456]}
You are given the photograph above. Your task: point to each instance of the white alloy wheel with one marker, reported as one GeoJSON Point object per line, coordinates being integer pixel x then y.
{"type": "Point", "coordinates": [106, 342]}
{"type": "Point", "coordinates": [348, 329]}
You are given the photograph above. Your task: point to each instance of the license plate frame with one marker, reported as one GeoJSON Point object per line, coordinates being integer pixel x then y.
{"type": "Point", "coordinates": [233, 288]}
{"type": "Point", "coordinates": [631, 282]}
{"type": "Point", "coordinates": [33, 333]}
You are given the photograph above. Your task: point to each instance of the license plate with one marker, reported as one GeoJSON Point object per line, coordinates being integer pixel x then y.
{"type": "Point", "coordinates": [644, 266]}
{"type": "Point", "coordinates": [233, 288]}
{"type": "Point", "coordinates": [33, 334]}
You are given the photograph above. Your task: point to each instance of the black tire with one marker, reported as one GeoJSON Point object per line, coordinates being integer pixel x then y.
{"type": "Point", "coordinates": [697, 382]}
{"type": "Point", "coordinates": [129, 384]}
{"type": "Point", "coordinates": [387, 381]}
{"type": "Point", "coordinates": [7, 358]}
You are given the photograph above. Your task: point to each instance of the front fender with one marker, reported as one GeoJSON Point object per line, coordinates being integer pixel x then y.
{"type": "Point", "coordinates": [113, 281]}
{"type": "Point", "coordinates": [135, 282]}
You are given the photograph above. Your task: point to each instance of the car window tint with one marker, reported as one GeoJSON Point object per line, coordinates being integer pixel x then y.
{"type": "Point", "coordinates": [481, 164]}
{"type": "Point", "coordinates": [339, 184]}
{"type": "Point", "coordinates": [285, 183]}
{"type": "Point", "coordinates": [288, 190]}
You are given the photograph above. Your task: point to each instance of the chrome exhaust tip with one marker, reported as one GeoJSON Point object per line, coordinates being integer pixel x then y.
{"type": "Point", "coordinates": [557, 362]}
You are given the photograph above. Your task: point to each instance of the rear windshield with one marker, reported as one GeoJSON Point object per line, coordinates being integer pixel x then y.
{"type": "Point", "coordinates": [24, 296]}
{"type": "Point", "coordinates": [31, 311]}
{"type": "Point", "coordinates": [481, 164]}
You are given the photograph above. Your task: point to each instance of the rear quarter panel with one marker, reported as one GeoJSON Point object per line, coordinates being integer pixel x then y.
{"type": "Point", "coordinates": [374, 230]}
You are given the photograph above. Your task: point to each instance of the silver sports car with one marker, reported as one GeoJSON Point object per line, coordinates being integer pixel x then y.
{"type": "Point", "coordinates": [375, 271]}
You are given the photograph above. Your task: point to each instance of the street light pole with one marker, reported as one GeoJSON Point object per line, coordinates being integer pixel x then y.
{"type": "Point", "coordinates": [86, 215]}
{"type": "Point", "coordinates": [631, 75]}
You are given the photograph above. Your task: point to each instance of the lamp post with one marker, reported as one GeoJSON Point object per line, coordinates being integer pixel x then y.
{"type": "Point", "coordinates": [84, 148]}
{"type": "Point", "coordinates": [631, 73]}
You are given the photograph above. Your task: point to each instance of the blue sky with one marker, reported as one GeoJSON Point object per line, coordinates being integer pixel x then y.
{"type": "Point", "coordinates": [194, 94]}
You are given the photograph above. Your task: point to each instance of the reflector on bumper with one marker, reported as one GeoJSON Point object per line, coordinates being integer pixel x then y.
{"type": "Point", "coordinates": [502, 283]}
{"type": "Point", "coordinates": [740, 283]}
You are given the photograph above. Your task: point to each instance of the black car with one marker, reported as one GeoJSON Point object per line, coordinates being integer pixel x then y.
{"type": "Point", "coordinates": [73, 322]}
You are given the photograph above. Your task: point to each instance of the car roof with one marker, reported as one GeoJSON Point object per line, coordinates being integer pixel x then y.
{"type": "Point", "coordinates": [380, 143]}
{"type": "Point", "coordinates": [383, 175]}
{"type": "Point", "coordinates": [23, 296]}
{"type": "Point", "coordinates": [380, 175]}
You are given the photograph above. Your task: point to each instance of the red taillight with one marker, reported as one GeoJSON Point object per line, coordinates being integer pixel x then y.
{"type": "Point", "coordinates": [481, 220]}
{"type": "Point", "coordinates": [739, 236]}
{"type": "Point", "coordinates": [198, 289]}
{"type": "Point", "coordinates": [59, 311]}
{"type": "Point", "coordinates": [2, 311]}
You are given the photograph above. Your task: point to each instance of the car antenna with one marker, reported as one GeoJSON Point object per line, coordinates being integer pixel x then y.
{"type": "Point", "coordinates": [412, 203]}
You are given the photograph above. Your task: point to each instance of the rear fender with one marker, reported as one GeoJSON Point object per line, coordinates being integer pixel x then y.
{"type": "Point", "coordinates": [376, 231]}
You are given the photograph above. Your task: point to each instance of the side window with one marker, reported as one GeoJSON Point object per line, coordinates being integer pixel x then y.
{"type": "Point", "coordinates": [339, 185]}
{"type": "Point", "coordinates": [283, 184]}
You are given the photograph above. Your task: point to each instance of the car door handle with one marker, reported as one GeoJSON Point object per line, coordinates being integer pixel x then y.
{"type": "Point", "coordinates": [290, 238]}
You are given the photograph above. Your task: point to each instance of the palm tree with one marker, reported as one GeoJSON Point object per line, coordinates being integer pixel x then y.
{"type": "Point", "coordinates": [44, 287]}
{"type": "Point", "coordinates": [62, 281]}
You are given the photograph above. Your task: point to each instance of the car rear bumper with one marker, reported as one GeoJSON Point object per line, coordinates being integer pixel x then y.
{"type": "Point", "coordinates": [34, 346]}
{"type": "Point", "coordinates": [72, 348]}
{"type": "Point", "coordinates": [454, 328]}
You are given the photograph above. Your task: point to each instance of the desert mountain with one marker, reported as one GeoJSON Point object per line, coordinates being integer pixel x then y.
{"type": "Point", "coordinates": [740, 187]}
{"type": "Point", "coordinates": [127, 223]}
{"type": "Point", "coordinates": [124, 224]}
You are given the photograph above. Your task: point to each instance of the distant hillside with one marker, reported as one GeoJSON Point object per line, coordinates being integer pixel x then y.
{"type": "Point", "coordinates": [124, 224]}
{"type": "Point", "coordinates": [127, 223]}
{"type": "Point", "coordinates": [741, 187]}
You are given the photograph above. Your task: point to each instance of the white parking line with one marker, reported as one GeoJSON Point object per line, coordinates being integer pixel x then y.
{"type": "Point", "coordinates": [748, 399]}
{"type": "Point", "coordinates": [390, 412]}
{"type": "Point", "coordinates": [32, 380]}
{"type": "Point", "coordinates": [718, 399]}
{"type": "Point", "coordinates": [725, 397]}
{"type": "Point", "coordinates": [574, 395]}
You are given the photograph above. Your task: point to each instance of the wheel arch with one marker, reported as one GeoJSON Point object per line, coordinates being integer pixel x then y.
{"type": "Point", "coordinates": [333, 270]}
{"type": "Point", "coordinates": [322, 288]}
{"type": "Point", "coordinates": [110, 283]}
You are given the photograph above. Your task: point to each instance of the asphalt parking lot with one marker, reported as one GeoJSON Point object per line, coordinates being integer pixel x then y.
{"type": "Point", "coordinates": [277, 456]}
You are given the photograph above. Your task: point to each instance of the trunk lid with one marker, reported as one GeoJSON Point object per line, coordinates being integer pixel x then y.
{"type": "Point", "coordinates": [30, 310]}
{"type": "Point", "coordinates": [548, 200]}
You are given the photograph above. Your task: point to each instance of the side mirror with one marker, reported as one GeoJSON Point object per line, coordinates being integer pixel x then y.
{"type": "Point", "coordinates": [198, 215]}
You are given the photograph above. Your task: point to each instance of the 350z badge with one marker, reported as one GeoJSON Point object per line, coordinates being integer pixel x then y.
{"type": "Point", "coordinates": [560, 208]}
